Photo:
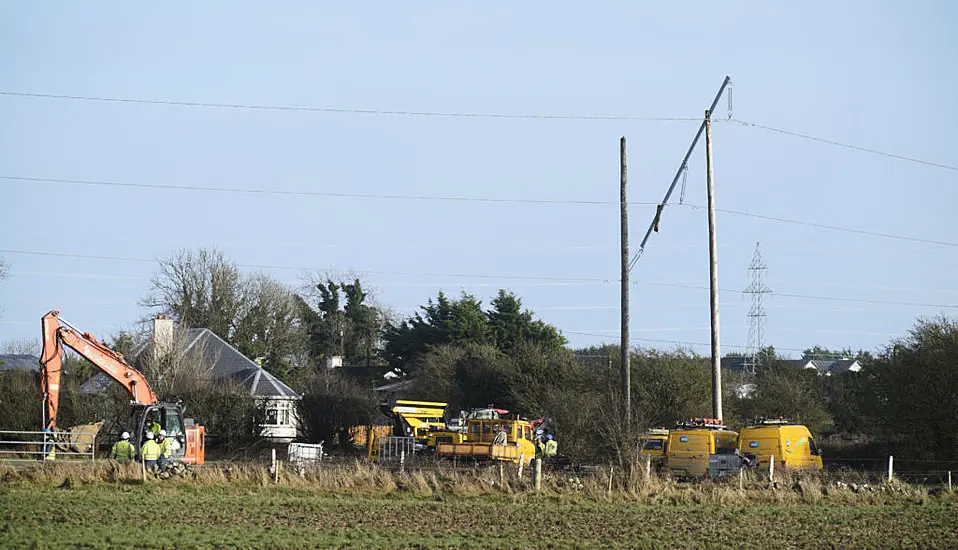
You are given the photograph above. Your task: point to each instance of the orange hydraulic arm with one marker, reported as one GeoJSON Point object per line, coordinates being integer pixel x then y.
{"type": "Point", "coordinates": [57, 333]}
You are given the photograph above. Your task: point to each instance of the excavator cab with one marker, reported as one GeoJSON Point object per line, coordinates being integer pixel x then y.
{"type": "Point", "coordinates": [190, 439]}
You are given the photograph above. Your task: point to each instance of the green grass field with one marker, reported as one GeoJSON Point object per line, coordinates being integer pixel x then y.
{"type": "Point", "coordinates": [39, 513]}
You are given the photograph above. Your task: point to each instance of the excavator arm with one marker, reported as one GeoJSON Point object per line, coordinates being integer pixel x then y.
{"type": "Point", "coordinates": [58, 333]}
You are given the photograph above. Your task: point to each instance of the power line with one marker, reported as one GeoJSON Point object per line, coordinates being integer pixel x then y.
{"type": "Point", "coordinates": [327, 194]}
{"type": "Point", "coordinates": [663, 341]}
{"type": "Point", "coordinates": [846, 145]}
{"type": "Point", "coordinates": [307, 109]}
{"type": "Point", "coordinates": [585, 280]}
{"type": "Point", "coordinates": [676, 342]}
{"type": "Point", "coordinates": [307, 268]}
{"type": "Point", "coordinates": [807, 296]}
{"type": "Point", "coordinates": [832, 227]}
{"type": "Point", "coordinates": [302, 108]}
{"type": "Point", "coordinates": [335, 194]}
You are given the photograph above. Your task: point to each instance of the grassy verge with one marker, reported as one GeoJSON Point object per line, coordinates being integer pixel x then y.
{"type": "Point", "coordinates": [363, 507]}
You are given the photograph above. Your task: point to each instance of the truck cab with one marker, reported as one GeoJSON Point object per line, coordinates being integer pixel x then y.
{"type": "Point", "coordinates": [654, 442]}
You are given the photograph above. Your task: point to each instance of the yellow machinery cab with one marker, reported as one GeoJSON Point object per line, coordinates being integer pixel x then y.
{"type": "Point", "coordinates": [493, 439]}
{"type": "Point", "coordinates": [416, 418]}
{"type": "Point", "coordinates": [654, 442]}
{"type": "Point", "coordinates": [791, 444]}
{"type": "Point", "coordinates": [693, 442]}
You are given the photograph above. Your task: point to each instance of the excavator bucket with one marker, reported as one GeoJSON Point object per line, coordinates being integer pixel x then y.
{"type": "Point", "coordinates": [78, 439]}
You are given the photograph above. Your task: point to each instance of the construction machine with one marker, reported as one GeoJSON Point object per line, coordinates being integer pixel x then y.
{"type": "Point", "coordinates": [147, 411]}
{"type": "Point", "coordinates": [493, 437]}
{"type": "Point", "coordinates": [416, 419]}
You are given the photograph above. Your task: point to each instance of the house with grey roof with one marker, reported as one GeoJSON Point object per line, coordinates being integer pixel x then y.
{"type": "Point", "coordinates": [824, 367]}
{"type": "Point", "coordinates": [829, 367]}
{"type": "Point", "coordinates": [221, 363]}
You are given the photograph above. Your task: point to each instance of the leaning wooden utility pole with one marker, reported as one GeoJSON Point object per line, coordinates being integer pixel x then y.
{"type": "Point", "coordinates": [713, 276]}
{"type": "Point", "coordinates": [624, 344]}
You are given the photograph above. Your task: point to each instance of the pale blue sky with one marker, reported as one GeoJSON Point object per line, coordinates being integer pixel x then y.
{"type": "Point", "coordinates": [875, 74]}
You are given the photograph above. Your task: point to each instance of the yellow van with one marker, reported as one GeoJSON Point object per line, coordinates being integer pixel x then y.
{"type": "Point", "coordinates": [694, 441]}
{"type": "Point", "coordinates": [791, 444]}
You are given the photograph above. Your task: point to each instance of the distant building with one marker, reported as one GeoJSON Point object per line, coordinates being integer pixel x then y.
{"type": "Point", "coordinates": [223, 363]}
{"type": "Point", "coordinates": [826, 367]}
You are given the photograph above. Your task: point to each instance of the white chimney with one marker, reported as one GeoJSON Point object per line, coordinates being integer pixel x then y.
{"type": "Point", "coordinates": [162, 336]}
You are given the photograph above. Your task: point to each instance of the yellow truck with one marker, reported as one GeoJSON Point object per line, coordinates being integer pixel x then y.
{"type": "Point", "coordinates": [493, 439]}
{"type": "Point", "coordinates": [791, 444]}
{"type": "Point", "coordinates": [698, 447]}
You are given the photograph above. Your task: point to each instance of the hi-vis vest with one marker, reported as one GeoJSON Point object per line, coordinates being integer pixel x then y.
{"type": "Point", "coordinates": [551, 447]}
{"type": "Point", "coordinates": [123, 450]}
{"type": "Point", "coordinates": [150, 451]}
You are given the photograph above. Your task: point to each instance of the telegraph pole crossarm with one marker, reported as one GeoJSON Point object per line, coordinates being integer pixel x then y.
{"type": "Point", "coordinates": [678, 175]}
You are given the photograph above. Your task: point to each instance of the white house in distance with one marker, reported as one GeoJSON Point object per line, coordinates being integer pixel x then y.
{"type": "Point", "coordinates": [224, 362]}
{"type": "Point", "coordinates": [828, 367]}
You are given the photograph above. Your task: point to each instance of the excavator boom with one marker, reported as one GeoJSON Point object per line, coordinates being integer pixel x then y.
{"type": "Point", "coordinates": [58, 333]}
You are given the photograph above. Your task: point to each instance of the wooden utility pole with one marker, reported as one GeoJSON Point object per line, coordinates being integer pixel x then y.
{"type": "Point", "coordinates": [624, 344]}
{"type": "Point", "coordinates": [713, 276]}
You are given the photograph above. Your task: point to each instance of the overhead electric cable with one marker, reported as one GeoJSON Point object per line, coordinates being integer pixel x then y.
{"type": "Point", "coordinates": [846, 145]}
{"type": "Point", "coordinates": [464, 199]}
{"type": "Point", "coordinates": [593, 280]}
{"type": "Point", "coordinates": [335, 110]}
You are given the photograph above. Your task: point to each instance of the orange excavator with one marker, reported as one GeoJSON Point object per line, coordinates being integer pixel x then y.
{"type": "Point", "coordinates": [147, 411]}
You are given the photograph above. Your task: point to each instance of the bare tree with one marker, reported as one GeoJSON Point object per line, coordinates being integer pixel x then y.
{"type": "Point", "coordinates": [253, 312]}
{"type": "Point", "coordinates": [200, 288]}
{"type": "Point", "coordinates": [174, 368]}
{"type": "Point", "coordinates": [22, 346]}
{"type": "Point", "coordinates": [267, 325]}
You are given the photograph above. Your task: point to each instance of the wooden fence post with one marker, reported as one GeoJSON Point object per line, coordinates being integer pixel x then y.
{"type": "Point", "coordinates": [522, 461]}
{"type": "Point", "coordinates": [771, 468]}
{"type": "Point", "coordinates": [891, 470]}
{"type": "Point", "coordinates": [273, 466]}
{"type": "Point", "coordinates": [538, 474]}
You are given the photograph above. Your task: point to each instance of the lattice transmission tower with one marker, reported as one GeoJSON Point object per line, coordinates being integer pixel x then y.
{"type": "Point", "coordinates": [756, 312]}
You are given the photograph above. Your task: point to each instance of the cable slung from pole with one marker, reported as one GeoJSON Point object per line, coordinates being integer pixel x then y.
{"type": "Point", "coordinates": [685, 179]}
{"type": "Point", "coordinates": [730, 100]}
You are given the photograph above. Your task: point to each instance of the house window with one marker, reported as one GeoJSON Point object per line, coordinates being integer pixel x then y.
{"type": "Point", "coordinates": [279, 413]}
